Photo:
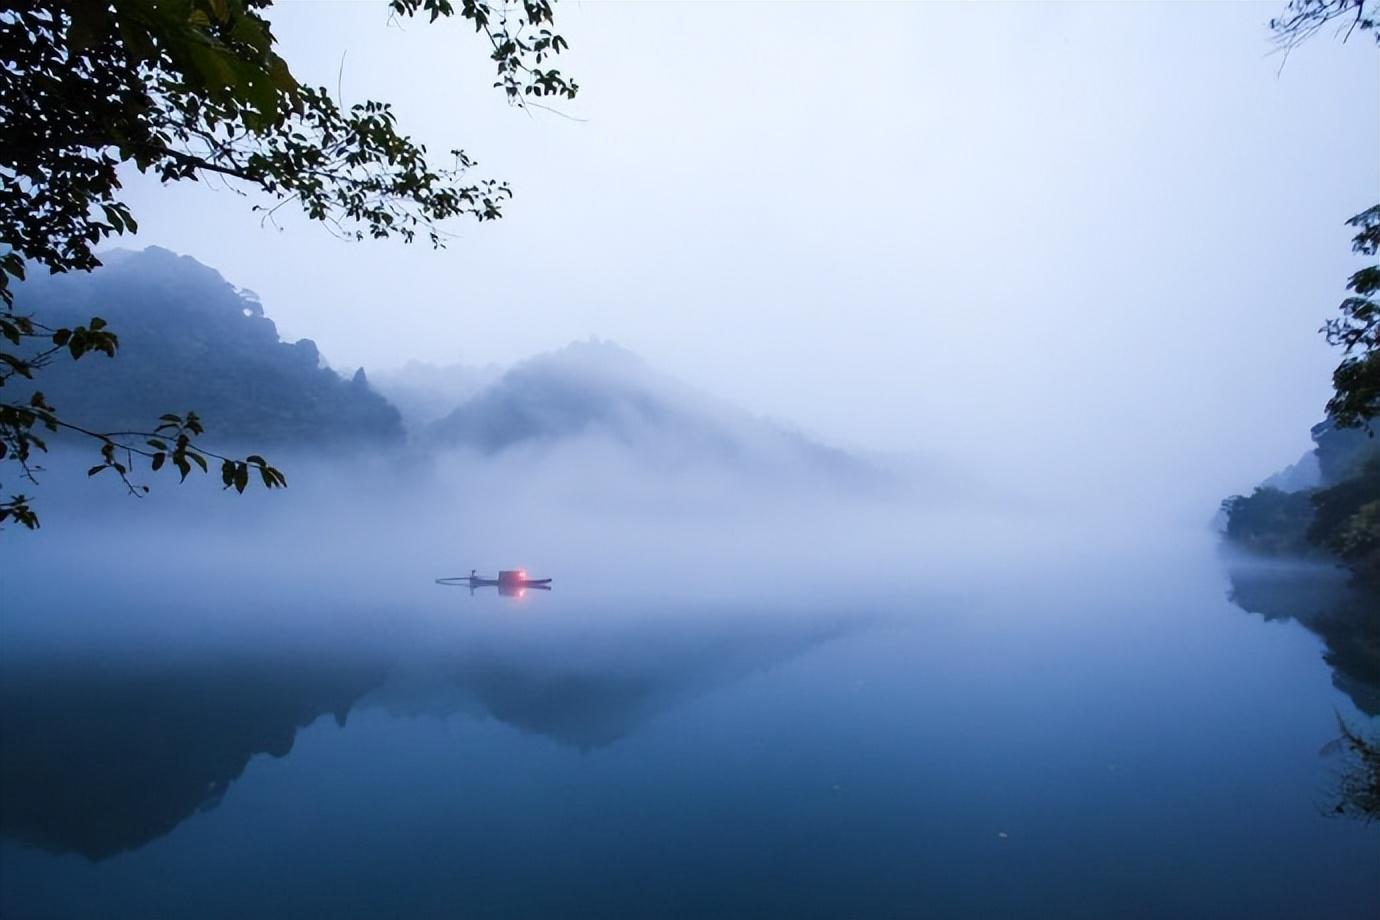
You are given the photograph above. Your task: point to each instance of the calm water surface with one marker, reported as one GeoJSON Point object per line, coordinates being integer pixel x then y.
{"type": "Point", "coordinates": [1118, 739]}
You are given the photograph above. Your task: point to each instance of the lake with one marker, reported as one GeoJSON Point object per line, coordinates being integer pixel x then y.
{"type": "Point", "coordinates": [1092, 730]}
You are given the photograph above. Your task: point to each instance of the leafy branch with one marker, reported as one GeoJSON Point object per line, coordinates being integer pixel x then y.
{"type": "Point", "coordinates": [183, 89]}
{"type": "Point", "coordinates": [170, 444]}
{"type": "Point", "coordinates": [1356, 380]}
{"type": "Point", "coordinates": [171, 440]}
{"type": "Point", "coordinates": [1302, 19]}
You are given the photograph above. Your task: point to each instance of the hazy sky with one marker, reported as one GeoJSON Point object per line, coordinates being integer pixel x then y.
{"type": "Point", "coordinates": [1092, 241]}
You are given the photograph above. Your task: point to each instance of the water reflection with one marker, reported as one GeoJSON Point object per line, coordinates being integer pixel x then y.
{"type": "Point", "coordinates": [1345, 615]}
{"type": "Point", "coordinates": [102, 758]}
{"type": "Point", "coordinates": [589, 691]}
{"type": "Point", "coordinates": [98, 759]}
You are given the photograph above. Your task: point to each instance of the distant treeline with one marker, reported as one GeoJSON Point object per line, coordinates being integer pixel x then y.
{"type": "Point", "coordinates": [1332, 510]}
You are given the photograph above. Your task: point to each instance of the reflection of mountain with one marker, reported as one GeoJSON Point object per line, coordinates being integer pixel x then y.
{"type": "Point", "coordinates": [102, 759]}
{"type": "Point", "coordinates": [588, 698]}
{"type": "Point", "coordinates": [1346, 617]}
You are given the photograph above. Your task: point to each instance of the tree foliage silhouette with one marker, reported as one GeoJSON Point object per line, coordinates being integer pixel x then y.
{"type": "Point", "coordinates": [1356, 381]}
{"type": "Point", "coordinates": [181, 89]}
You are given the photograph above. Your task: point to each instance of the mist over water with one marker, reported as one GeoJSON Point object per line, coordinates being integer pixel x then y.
{"type": "Point", "coordinates": [866, 380]}
{"type": "Point", "coordinates": [593, 510]}
{"type": "Point", "coordinates": [747, 693]}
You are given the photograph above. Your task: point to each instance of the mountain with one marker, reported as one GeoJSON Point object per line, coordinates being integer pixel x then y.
{"type": "Point", "coordinates": [191, 340]}
{"type": "Point", "coordinates": [597, 389]}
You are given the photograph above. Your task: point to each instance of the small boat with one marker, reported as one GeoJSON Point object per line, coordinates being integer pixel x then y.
{"type": "Point", "coordinates": [510, 582]}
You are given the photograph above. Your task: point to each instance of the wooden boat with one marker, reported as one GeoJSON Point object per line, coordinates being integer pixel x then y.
{"type": "Point", "coordinates": [510, 582]}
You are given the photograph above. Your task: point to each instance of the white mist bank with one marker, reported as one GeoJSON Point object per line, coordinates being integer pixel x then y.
{"type": "Point", "coordinates": [383, 527]}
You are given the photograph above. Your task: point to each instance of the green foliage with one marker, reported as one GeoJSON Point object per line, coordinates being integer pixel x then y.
{"type": "Point", "coordinates": [185, 88]}
{"type": "Point", "coordinates": [517, 35]}
{"type": "Point", "coordinates": [1343, 517]}
{"type": "Point", "coordinates": [1356, 381]}
{"type": "Point", "coordinates": [186, 331]}
{"type": "Point", "coordinates": [1270, 521]}
{"type": "Point", "coordinates": [171, 442]}
{"type": "Point", "coordinates": [1342, 452]}
{"type": "Point", "coordinates": [179, 88]}
{"type": "Point", "coordinates": [1340, 518]}
{"type": "Point", "coordinates": [1346, 520]}
{"type": "Point", "coordinates": [1357, 332]}
{"type": "Point", "coordinates": [1359, 792]}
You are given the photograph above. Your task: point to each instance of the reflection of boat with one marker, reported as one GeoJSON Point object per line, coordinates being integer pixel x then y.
{"type": "Point", "coordinates": [510, 582]}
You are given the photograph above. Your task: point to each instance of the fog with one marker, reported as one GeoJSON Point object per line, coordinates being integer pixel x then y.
{"type": "Point", "coordinates": [200, 677]}
{"type": "Point", "coordinates": [1081, 245]}
{"type": "Point", "coordinates": [638, 525]}
{"type": "Point", "coordinates": [866, 379]}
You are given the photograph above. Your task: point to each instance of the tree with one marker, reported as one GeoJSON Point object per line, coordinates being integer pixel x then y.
{"type": "Point", "coordinates": [1356, 381]}
{"type": "Point", "coordinates": [1347, 515]}
{"type": "Point", "coordinates": [1302, 19]}
{"type": "Point", "coordinates": [1357, 331]}
{"type": "Point", "coordinates": [180, 89]}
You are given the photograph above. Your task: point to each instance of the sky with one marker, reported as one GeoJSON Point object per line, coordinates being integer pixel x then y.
{"type": "Point", "coordinates": [1084, 243]}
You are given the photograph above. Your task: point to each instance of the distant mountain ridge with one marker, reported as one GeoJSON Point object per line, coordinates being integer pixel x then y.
{"type": "Point", "coordinates": [191, 340]}
{"type": "Point", "coordinates": [597, 388]}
